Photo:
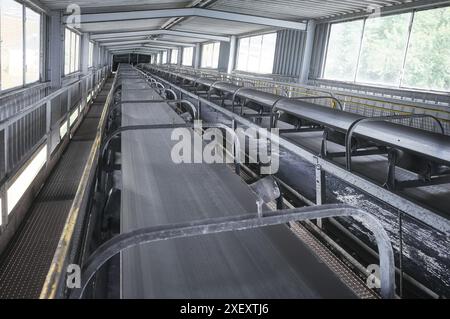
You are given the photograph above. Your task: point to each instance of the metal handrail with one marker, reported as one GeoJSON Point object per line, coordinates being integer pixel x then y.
{"type": "Point", "coordinates": [17, 116]}
{"type": "Point", "coordinates": [239, 223]}
{"type": "Point", "coordinates": [51, 287]}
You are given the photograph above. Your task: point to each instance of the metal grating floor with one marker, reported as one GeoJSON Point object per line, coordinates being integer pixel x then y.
{"type": "Point", "coordinates": [25, 262]}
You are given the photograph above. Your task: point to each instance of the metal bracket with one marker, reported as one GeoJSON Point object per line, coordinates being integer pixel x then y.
{"type": "Point", "coordinates": [211, 88]}
{"type": "Point", "coordinates": [352, 127]}
{"type": "Point", "coordinates": [189, 103]}
{"type": "Point", "coordinates": [267, 190]}
{"type": "Point", "coordinates": [319, 97]}
{"type": "Point", "coordinates": [236, 142]}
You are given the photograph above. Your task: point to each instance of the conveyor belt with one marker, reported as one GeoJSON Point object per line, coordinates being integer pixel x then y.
{"type": "Point", "coordinates": [375, 167]}
{"type": "Point", "coordinates": [25, 262]}
{"type": "Point", "coordinates": [264, 263]}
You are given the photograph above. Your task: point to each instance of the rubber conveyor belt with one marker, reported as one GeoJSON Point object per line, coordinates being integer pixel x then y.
{"type": "Point", "coordinates": [264, 263]}
{"type": "Point", "coordinates": [26, 260]}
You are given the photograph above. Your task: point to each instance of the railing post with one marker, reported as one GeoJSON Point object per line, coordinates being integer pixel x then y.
{"type": "Point", "coordinates": [6, 145]}
{"type": "Point", "coordinates": [69, 104]}
{"type": "Point", "coordinates": [48, 111]}
{"type": "Point", "coordinates": [320, 188]}
{"type": "Point", "coordinates": [4, 206]}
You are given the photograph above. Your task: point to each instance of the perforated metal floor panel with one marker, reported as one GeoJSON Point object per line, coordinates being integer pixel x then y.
{"type": "Point", "coordinates": [26, 260]}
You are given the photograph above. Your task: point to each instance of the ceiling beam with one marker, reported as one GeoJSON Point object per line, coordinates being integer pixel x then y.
{"type": "Point", "coordinates": [190, 12]}
{"type": "Point", "coordinates": [388, 10]}
{"type": "Point", "coordinates": [134, 46]}
{"type": "Point", "coordinates": [165, 43]}
{"type": "Point", "coordinates": [138, 49]}
{"type": "Point", "coordinates": [170, 23]}
{"type": "Point", "coordinates": [204, 36]}
{"type": "Point", "coordinates": [132, 52]}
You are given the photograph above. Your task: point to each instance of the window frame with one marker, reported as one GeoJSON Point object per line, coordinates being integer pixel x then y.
{"type": "Point", "coordinates": [172, 56]}
{"type": "Point", "coordinates": [249, 37]}
{"type": "Point", "coordinates": [191, 62]}
{"type": "Point", "coordinates": [401, 85]}
{"type": "Point", "coordinates": [24, 58]}
{"type": "Point", "coordinates": [72, 58]}
{"type": "Point", "coordinates": [203, 52]}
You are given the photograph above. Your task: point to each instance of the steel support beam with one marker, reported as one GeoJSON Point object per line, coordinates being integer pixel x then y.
{"type": "Point", "coordinates": [111, 35]}
{"type": "Point", "coordinates": [232, 54]}
{"type": "Point", "coordinates": [197, 56]}
{"type": "Point", "coordinates": [56, 42]}
{"type": "Point", "coordinates": [190, 12]}
{"type": "Point", "coordinates": [85, 53]}
{"type": "Point", "coordinates": [307, 52]}
{"type": "Point", "coordinates": [169, 43]}
{"type": "Point", "coordinates": [136, 46]}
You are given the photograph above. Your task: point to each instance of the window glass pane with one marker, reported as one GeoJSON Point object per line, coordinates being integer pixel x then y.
{"type": "Point", "coordinates": [32, 45]}
{"type": "Point", "coordinates": [187, 56]}
{"type": "Point", "coordinates": [383, 50]}
{"type": "Point", "coordinates": [428, 59]}
{"type": "Point", "coordinates": [164, 57]}
{"type": "Point", "coordinates": [215, 57]}
{"type": "Point", "coordinates": [158, 58]}
{"type": "Point", "coordinates": [343, 50]}
{"type": "Point", "coordinates": [67, 52]}
{"type": "Point", "coordinates": [242, 60]}
{"type": "Point", "coordinates": [267, 53]}
{"type": "Point", "coordinates": [174, 56]}
{"type": "Point", "coordinates": [206, 55]}
{"type": "Point", "coordinates": [77, 53]}
{"type": "Point", "coordinates": [256, 54]}
{"type": "Point", "coordinates": [91, 54]}
{"type": "Point", "coordinates": [12, 44]}
{"type": "Point", "coordinates": [73, 48]}
{"type": "Point", "coordinates": [210, 55]}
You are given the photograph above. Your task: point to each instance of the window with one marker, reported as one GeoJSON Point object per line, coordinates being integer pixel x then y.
{"type": "Point", "coordinates": [20, 54]}
{"type": "Point", "coordinates": [210, 55]}
{"type": "Point", "coordinates": [174, 56]}
{"type": "Point", "coordinates": [32, 45]}
{"type": "Point", "coordinates": [158, 58]}
{"type": "Point", "coordinates": [427, 64]}
{"type": "Point", "coordinates": [71, 52]}
{"type": "Point", "coordinates": [383, 49]}
{"type": "Point", "coordinates": [256, 54]}
{"type": "Point", "coordinates": [21, 184]}
{"type": "Point", "coordinates": [408, 50]}
{"type": "Point", "coordinates": [188, 55]}
{"type": "Point", "coordinates": [164, 57]}
{"type": "Point", "coordinates": [343, 50]}
{"type": "Point", "coordinates": [91, 55]}
{"type": "Point", "coordinates": [12, 44]}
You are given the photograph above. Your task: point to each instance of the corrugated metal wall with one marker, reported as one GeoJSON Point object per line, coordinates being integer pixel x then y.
{"type": "Point", "coordinates": [319, 50]}
{"type": "Point", "coordinates": [289, 52]}
{"type": "Point", "coordinates": [223, 56]}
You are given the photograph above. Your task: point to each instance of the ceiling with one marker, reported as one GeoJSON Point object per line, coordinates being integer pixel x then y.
{"type": "Point", "coordinates": [283, 10]}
